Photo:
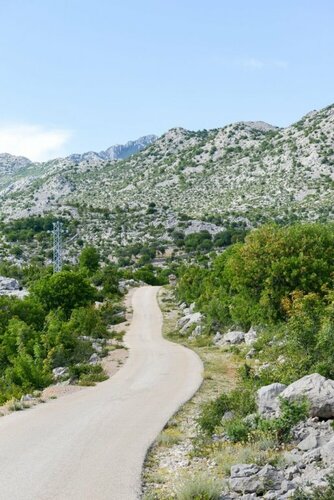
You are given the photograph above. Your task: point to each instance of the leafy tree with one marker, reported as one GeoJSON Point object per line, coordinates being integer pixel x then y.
{"type": "Point", "coordinates": [66, 290]}
{"type": "Point", "coordinates": [89, 259]}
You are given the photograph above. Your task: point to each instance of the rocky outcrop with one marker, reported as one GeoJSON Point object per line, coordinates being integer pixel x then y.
{"type": "Point", "coordinates": [306, 466]}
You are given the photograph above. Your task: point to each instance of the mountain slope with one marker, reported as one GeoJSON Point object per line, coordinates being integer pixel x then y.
{"type": "Point", "coordinates": [248, 172]}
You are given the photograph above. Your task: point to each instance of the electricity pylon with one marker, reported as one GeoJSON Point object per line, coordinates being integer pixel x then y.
{"type": "Point", "coordinates": [57, 246]}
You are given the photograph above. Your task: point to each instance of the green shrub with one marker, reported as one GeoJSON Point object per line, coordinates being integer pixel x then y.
{"type": "Point", "coordinates": [212, 413]}
{"type": "Point", "coordinates": [279, 428]}
{"type": "Point", "coordinates": [86, 374]}
{"type": "Point", "coordinates": [240, 401]}
{"type": "Point", "coordinates": [237, 430]}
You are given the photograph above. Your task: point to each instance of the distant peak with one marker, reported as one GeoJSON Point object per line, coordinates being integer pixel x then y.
{"type": "Point", "coordinates": [116, 152]}
{"type": "Point", "coordinates": [258, 125]}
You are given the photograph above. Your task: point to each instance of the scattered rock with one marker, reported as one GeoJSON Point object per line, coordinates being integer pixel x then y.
{"type": "Point", "coordinates": [251, 353]}
{"type": "Point", "coordinates": [10, 286]}
{"type": "Point", "coordinates": [310, 442]}
{"type": "Point", "coordinates": [97, 347]}
{"type": "Point", "coordinates": [228, 415]}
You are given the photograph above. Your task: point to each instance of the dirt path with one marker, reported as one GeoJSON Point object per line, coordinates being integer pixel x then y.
{"type": "Point", "coordinates": [90, 445]}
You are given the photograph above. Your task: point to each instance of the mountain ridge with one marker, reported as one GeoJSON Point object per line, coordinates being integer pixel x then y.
{"type": "Point", "coordinates": [10, 163]}
{"type": "Point", "coordinates": [245, 173]}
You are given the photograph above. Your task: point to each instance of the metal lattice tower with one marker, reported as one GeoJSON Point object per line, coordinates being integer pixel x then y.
{"type": "Point", "coordinates": [57, 246]}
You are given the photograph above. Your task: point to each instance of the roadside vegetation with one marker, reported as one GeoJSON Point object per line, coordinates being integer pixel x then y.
{"type": "Point", "coordinates": [56, 324]}
{"type": "Point", "coordinates": [279, 282]}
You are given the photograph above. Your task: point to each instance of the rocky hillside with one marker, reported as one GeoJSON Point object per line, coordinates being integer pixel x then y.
{"type": "Point", "coordinates": [245, 173]}
{"type": "Point", "coordinates": [14, 169]}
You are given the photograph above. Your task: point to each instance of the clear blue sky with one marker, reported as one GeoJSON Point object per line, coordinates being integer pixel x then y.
{"type": "Point", "coordinates": [82, 74]}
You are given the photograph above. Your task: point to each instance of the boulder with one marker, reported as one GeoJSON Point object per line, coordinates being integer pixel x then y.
{"type": "Point", "coordinates": [190, 319]}
{"type": "Point", "coordinates": [310, 442]}
{"type": "Point", "coordinates": [60, 372]}
{"type": "Point", "coordinates": [27, 398]}
{"type": "Point", "coordinates": [197, 331]}
{"type": "Point", "coordinates": [318, 390]}
{"type": "Point", "coordinates": [233, 337]}
{"type": "Point", "coordinates": [267, 399]}
{"type": "Point", "coordinates": [244, 470]}
{"type": "Point", "coordinates": [248, 484]}
{"type": "Point", "coordinates": [250, 478]}
{"type": "Point", "coordinates": [327, 452]}
{"type": "Point", "coordinates": [217, 338]}
{"type": "Point", "coordinates": [250, 337]}
{"type": "Point", "coordinates": [8, 284]}
{"type": "Point", "coordinates": [97, 347]}
{"type": "Point", "coordinates": [271, 476]}
{"type": "Point", "coordinates": [94, 359]}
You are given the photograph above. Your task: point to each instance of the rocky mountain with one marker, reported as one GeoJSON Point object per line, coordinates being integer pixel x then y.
{"type": "Point", "coordinates": [243, 174]}
{"type": "Point", "coordinates": [18, 171]}
{"type": "Point", "coordinates": [117, 152]}
{"type": "Point", "coordinates": [10, 163]}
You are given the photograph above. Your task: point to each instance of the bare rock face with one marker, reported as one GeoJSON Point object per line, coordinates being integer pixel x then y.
{"type": "Point", "coordinates": [318, 390]}
{"type": "Point", "coordinates": [267, 399]}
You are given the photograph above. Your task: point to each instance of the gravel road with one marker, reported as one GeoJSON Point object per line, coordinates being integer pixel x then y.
{"type": "Point", "coordinates": [91, 445]}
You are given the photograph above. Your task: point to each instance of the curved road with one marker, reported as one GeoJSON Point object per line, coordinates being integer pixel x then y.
{"type": "Point", "coordinates": [91, 445]}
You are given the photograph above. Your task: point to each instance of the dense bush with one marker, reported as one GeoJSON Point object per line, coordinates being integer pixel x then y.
{"type": "Point", "coordinates": [52, 327]}
{"type": "Point", "coordinates": [256, 281]}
